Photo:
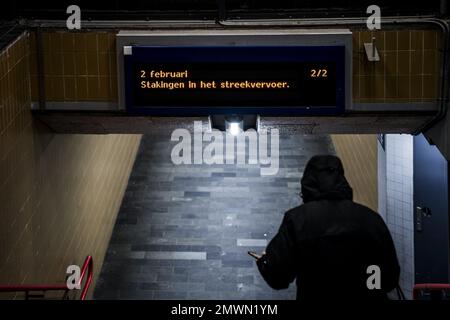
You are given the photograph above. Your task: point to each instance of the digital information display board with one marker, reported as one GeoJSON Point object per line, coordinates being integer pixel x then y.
{"type": "Point", "coordinates": [265, 80]}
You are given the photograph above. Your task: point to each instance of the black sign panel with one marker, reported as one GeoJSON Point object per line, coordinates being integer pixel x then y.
{"type": "Point", "coordinates": [212, 80]}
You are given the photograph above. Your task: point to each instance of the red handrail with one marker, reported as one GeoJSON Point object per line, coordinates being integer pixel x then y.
{"type": "Point", "coordinates": [88, 268]}
{"type": "Point", "coordinates": [429, 286]}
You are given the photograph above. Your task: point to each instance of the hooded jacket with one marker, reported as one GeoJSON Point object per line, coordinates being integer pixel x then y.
{"type": "Point", "coordinates": [329, 242]}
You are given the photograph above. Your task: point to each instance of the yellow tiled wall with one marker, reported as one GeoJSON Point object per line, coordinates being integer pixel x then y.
{"type": "Point", "coordinates": [59, 194]}
{"type": "Point", "coordinates": [81, 66]}
{"type": "Point", "coordinates": [78, 66]}
{"type": "Point", "coordinates": [408, 70]}
{"type": "Point", "coordinates": [14, 91]}
{"type": "Point", "coordinates": [358, 153]}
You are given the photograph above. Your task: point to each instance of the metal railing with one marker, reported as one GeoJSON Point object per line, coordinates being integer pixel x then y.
{"type": "Point", "coordinates": [33, 290]}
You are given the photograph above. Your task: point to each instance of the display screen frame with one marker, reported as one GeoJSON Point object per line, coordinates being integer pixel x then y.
{"type": "Point", "coordinates": [147, 54]}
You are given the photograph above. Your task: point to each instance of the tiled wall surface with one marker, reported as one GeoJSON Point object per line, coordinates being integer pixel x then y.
{"type": "Point", "coordinates": [78, 66]}
{"type": "Point", "coordinates": [358, 153]}
{"type": "Point", "coordinates": [183, 231]}
{"type": "Point", "coordinates": [81, 66]}
{"type": "Point", "coordinates": [59, 194]}
{"type": "Point", "coordinates": [14, 93]}
{"type": "Point", "coordinates": [408, 70]}
{"type": "Point", "coordinates": [382, 180]}
{"type": "Point", "coordinates": [399, 209]}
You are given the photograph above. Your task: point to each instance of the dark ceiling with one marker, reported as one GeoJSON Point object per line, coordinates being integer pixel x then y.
{"type": "Point", "coordinates": [214, 9]}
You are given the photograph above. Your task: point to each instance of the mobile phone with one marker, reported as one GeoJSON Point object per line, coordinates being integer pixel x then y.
{"type": "Point", "coordinates": [254, 255]}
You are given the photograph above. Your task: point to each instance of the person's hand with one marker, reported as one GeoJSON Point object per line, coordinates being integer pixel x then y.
{"type": "Point", "coordinates": [255, 255]}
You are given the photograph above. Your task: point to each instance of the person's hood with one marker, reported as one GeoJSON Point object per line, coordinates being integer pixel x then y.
{"type": "Point", "coordinates": [324, 178]}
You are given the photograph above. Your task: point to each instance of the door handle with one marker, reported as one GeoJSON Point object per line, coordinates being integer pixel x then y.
{"type": "Point", "coordinates": [420, 213]}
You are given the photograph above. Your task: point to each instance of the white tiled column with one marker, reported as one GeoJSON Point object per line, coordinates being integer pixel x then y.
{"type": "Point", "coordinates": [399, 199]}
{"type": "Point", "coordinates": [382, 184]}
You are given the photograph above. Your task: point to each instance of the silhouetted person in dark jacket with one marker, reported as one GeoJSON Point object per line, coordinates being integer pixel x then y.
{"type": "Point", "coordinates": [329, 241]}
